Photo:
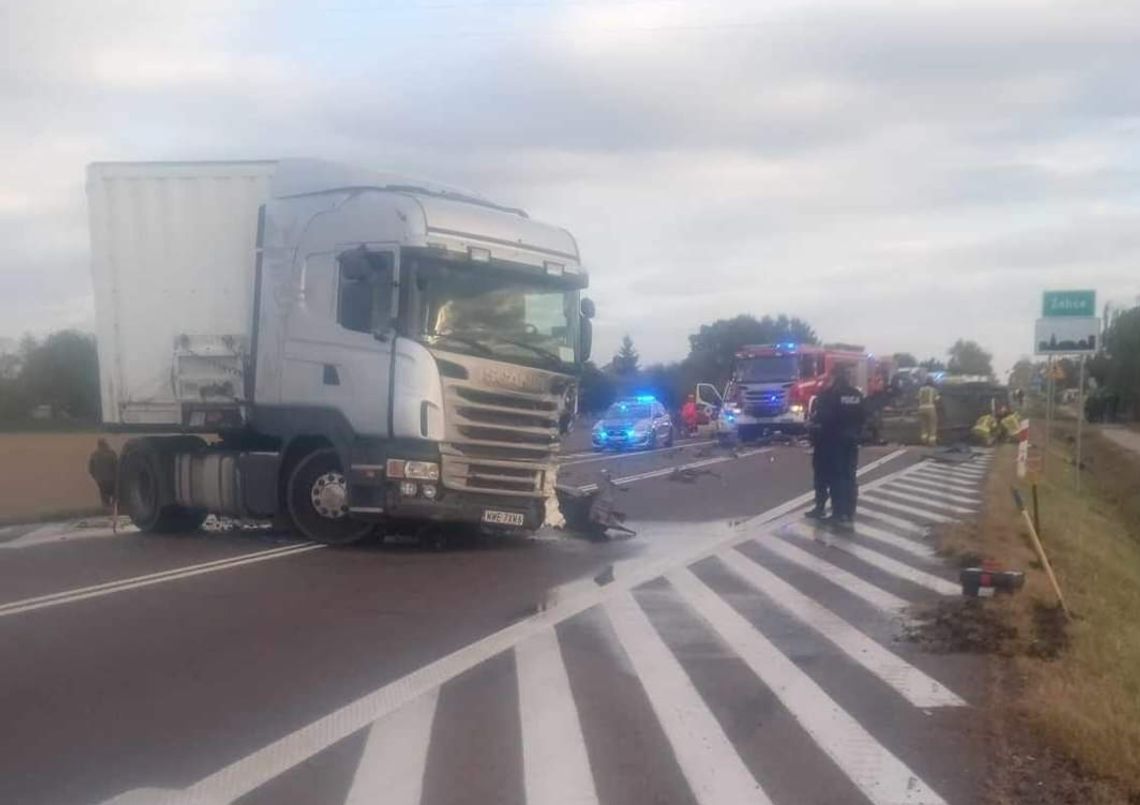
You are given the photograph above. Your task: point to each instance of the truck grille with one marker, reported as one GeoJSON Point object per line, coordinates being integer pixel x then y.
{"type": "Point", "coordinates": [500, 441]}
{"type": "Point", "coordinates": [765, 402]}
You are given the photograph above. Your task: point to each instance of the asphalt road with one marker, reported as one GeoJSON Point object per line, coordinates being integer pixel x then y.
{"type": "Point", "coordinates": [724, 654]}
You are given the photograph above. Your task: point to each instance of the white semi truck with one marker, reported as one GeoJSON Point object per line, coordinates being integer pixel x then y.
{"type": "Point", "coordinates": [303, 340]}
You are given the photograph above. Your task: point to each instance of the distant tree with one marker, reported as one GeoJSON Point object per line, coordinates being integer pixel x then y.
{"type": "Point", "coordinates": [968, 358]}
{"type": "Point", "coordinates": [626, 360]}
{"type": "Point", "coordinates": [904, 360]}
{"type": "Point", "coordinates": [596, 389]}
{"type": "Point", "coordinates": [62, 371]}
{"type": "Point", "coordinates": [1021, 376]}
{"type": "Point", "coordinates": [1122, 350]}
{"type": "Point", "coordinates": [713, 347]}
{"type": "Point", "coordinates": [933, 365]}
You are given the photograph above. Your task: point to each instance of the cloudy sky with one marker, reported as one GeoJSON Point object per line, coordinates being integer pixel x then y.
{"type": "Point", "coordinates": [898, 174]}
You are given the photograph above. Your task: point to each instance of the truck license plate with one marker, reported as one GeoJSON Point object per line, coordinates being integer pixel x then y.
{"type": "Point", "coordinates": [503, 518]}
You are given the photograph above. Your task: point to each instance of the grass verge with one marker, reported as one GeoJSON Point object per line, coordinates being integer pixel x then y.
{"type": "Point", "coordinates": [1075, 686]}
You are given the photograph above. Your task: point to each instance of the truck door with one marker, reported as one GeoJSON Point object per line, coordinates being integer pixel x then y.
{"type": "Point", "coordinates": [338, 345]}
{"type": "Point", "coordinates": [709, 401]}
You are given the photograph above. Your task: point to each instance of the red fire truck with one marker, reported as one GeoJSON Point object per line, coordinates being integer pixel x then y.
{"type": "Point", "coordinates": [773, 387]}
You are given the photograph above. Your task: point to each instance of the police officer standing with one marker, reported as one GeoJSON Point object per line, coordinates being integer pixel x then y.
{"type": "Point", "coordinates": [840, 415]}
{"type": "Point", "coordinates": [821, 460]}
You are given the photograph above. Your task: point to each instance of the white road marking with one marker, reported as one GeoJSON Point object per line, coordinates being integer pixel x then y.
{"type": "Point", "coordinates": [914, 484]}
{"type": "Point", "coordinates": [693, 465]}
{"type": "Point", "coordinates": [970, 475]}
{"type": "Point", "coordinates": [906, 526]}
{"type": "Point", "coordinates": [707, 758]}
{"type": "Point", "coordinates": [937, 473]}
{"type": "Point", "coordinates": [925, 514]}
{"type": "Point", "coordinates": [875, 596]}
{"type": "Point", "coordinates": [259, 767]}
{"type": "Point", "coordinates": [391, 767]}
{"type": "Point", "coordinates": [587, 458]}
{"type": "Point", "coordinates": [925, 500]}
{"type": "Point", "coordinates": [911, 683]}
{"type": "Point", "coordinates": [885, 563]}
{"type": "Point", "coordinates": [107, 588]}
{"type": "Point", "coordinates": [882, 777]}
{"type": "Point", "coordinates": [556, 768]}
{"type": "Point", "coordinates": [911, 546]}
{"type": "Point", "coordinates": [944, 483]}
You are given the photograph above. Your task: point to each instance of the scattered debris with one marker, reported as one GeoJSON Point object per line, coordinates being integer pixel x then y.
{"type": "Point", "coordinates": [968, 625]}
{"type": "Point", "coordinates": [593, 513]}
{"type": "Point", "coordinates": [1050, 635]}
{"type": "Point", "coordinates": [990, 575]}
{"type": "Point", "coordinates": [689, 475]}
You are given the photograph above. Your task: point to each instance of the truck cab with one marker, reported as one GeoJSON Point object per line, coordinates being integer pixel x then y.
{"type": "Point", "coordinates": [398, 352]}
{"type": "Point", "coordinates": [773, 387]}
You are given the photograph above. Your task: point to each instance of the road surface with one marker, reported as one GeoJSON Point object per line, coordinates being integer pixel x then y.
{"type": "Point", "coordinates": [728, 653]}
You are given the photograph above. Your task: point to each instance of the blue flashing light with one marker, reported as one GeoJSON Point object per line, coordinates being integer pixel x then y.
{"type": "Point", "coordinates": [629, 434]}
{"type": "Point", "coordinates": [787, 345]}
{"type": "Point", "coordinates": [646, 398]}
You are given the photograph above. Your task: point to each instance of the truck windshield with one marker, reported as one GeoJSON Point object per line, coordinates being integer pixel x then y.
{"type": "Point", "coordinates": [497, 312]}
{"type": "Point", "coordinates": [766, 369]}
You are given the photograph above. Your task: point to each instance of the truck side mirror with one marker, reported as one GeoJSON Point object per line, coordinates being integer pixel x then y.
{"type": "Point", "coordinates": [587, 337]}
{"type": "Point", "coordinates": [588, 309]}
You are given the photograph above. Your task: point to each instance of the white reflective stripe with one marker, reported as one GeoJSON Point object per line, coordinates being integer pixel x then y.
{"type": "Point", "coordinates": [926, 500]}
{"type": "Point", "coordinates": [556, 768]}
{"type": "Point", "coordinates": [882, 777]}
{"type": "Point", "coordinates": [932, 488]}
{"type": "Point", "coordinates": [911, 683]}
{"type": "Point", "coordinates": [885, 563]}
{"type": "Point", "coordinates": [572, 459]}
{"type": "Point", "coordinates": [391, 767]}
{"type": "Point", "coordinates": [917, 512]}
{"type": "Point", "coordinates": [911, 546]}
{"type": "Point", "coordinates": [709, 761]}
{"type": "Point", "coordinates": [875, 596]}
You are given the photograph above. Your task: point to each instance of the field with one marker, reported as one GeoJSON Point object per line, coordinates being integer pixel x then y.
{"type": "Point", "coordinates": [44, 475]}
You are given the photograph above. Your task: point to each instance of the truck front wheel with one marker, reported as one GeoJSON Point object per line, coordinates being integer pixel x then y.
{"type": "Point", "coordinates": [318, 501]}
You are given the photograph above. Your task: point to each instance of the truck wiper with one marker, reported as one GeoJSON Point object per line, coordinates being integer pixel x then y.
{"type": "Point", "coordinates": [537, 350]}
{"type": "Point", "coordinates": [466, 340]}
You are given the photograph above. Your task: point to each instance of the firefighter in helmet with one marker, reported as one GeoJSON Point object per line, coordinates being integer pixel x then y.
{"type": "Point", "coordinates": [928, 412]}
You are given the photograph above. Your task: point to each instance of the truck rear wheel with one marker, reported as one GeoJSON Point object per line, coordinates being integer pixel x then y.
{"type": "Point", "coordinates": [145, 487]}
{"type": "Point", "coordinates": [317, 497]}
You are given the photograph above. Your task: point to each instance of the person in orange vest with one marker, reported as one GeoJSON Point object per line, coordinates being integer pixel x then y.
{"type": "Point", "coordinates": [689, 415]}
{"type": "Point", "coordinates": [928, 412]}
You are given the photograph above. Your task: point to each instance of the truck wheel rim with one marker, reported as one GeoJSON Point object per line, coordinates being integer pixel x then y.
{"type": "Point", "coordinates": [329, 496]}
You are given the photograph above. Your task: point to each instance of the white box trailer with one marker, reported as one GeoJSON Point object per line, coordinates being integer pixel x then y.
{"type": "Point", "coordinates": [409, 346]}
{"type": "Point", "coordinates": [173, 255]}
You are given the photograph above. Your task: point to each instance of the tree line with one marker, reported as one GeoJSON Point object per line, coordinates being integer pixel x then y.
{"type": "Point", "coordinates": [711, 352]}
{"type": "Point", "coordinates": [55, 378]}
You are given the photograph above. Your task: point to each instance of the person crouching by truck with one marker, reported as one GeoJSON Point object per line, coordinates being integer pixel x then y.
{"type": "Point", "coordinates": [103, 466]}
{"type": "Point", "coordinates": [928, 412]}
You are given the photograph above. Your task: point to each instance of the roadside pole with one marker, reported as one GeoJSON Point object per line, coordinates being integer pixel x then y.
{"type": "Point", "coordinates": [1048, 414]}
{"type": "Point", "coordinates": [1080, 420]}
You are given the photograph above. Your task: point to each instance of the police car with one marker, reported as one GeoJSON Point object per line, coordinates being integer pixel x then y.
{"type": "Point", "coordinates": [633, 423]}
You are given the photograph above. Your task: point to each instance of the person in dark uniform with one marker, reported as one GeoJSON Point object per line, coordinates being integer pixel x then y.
{"type": "Point", "coordinates": [821, 462]}
{"type": "Point", "coordinates": [841, 415]}
{"type": "Point", "coordinates": [103, 466]}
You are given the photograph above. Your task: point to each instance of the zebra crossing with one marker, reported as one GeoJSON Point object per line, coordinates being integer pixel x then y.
{"type": "Point", "coordinates": [762, 670]}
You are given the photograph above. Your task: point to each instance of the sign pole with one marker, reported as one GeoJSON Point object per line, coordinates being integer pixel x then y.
{"type": "Point", "coordinates": [1048, 414]}
{"type": "Point", "coordinates": [1080, 420]}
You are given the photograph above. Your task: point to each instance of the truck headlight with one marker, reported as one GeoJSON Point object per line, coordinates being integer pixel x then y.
{"type": "Point", "coordinates": [797, 409]}
{"type": "Point", "coordinates": [416, 470]}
